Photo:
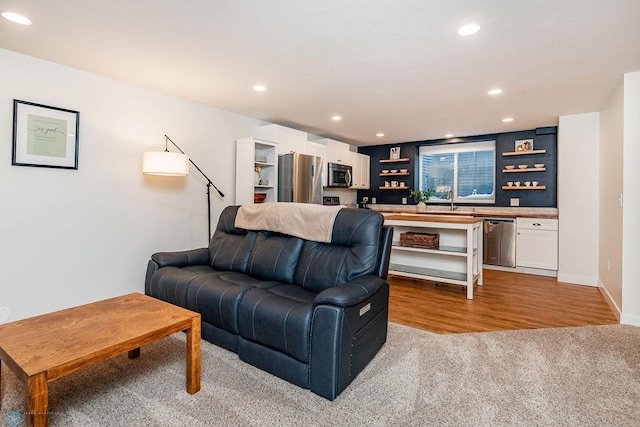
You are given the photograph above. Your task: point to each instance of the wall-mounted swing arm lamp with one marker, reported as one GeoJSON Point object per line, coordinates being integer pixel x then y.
{"type": "Point", "coordinates": [165, 163]}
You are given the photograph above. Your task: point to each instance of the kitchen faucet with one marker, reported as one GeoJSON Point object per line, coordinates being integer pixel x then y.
{"type": "Point", "coordinates": [450, 196]}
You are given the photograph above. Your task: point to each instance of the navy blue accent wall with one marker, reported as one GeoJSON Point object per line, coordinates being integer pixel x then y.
{"type": "Point", "coordinates": [543, 139]}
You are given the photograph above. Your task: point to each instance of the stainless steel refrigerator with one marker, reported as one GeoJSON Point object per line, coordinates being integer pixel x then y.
{"type": "Point", "coordinates": [299, 178]}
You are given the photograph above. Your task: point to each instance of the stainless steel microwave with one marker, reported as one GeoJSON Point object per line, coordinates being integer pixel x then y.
{"type": "Point", "coordinates": [339, 175]}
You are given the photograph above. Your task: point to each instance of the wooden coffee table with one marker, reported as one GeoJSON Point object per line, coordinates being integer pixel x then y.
{"type": "Point", "coordinates": [47, 347]}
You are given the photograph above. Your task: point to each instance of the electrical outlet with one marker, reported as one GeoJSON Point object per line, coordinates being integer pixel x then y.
{"type": "Point", "coordinates": [514, 202]}
{"type": "Point", "coordinates": [404, 200]}
{"type": "Point", "coordinates": [4, 314]}
{"type": "Point", "coordinates": [373, 200]}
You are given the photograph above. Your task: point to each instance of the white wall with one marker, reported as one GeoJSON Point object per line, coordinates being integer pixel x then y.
{"type": "Point", "coordinates": [611, 144]}
{"type": "Point", "coordinates": [578, 141]}
{"type": "Point", "coordinates": [631, 202]}
{"type": "Point", "coordinates": [76, 236]}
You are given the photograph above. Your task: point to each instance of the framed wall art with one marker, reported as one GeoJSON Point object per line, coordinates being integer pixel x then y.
{"type": "Point", "coordinates": [524, 145]}
{"type": "Point", "coordinates": [394, 154]}
{"type": "Point", "coordinates": [44, 136]}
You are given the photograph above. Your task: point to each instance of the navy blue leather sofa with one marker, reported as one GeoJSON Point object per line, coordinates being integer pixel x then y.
{"type": "Point", "coordinates": [312, 313]}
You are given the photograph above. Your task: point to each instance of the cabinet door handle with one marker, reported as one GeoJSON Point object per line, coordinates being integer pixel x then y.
{"type": "Point", "coordinates": [536, 224]}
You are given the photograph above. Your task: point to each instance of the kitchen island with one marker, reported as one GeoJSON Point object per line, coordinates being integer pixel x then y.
{"type": "Point", "coordinates": [457, 259]}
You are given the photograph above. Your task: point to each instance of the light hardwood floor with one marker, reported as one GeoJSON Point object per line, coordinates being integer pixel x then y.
{"type": "Point", "coordinates": [506, 301]}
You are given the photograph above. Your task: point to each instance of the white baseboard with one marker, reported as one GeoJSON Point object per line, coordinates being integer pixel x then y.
{"type": "Point", "coordinates": [609, 300]}
{"type": "Point", "coordinates": [525, 270]}
{"type": "Point", "coordinates": [628, 319]}
{"type": "Point", "coordinates": [577, 280]}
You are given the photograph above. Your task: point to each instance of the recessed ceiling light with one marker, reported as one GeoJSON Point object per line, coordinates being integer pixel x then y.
{"type": "Point", "coordinates": [507, 119]}
{"type": "Point", "coordinates": [336, 118]}
{"type": "Point", "coordinates": [379, 134]}
{"type": "Point", "coordinates": [467, 30]}
{"type": "Point", "coordinates": [17, 18]}
{"type": "Point", "coordinates": [449, 135]}
{"type": "Point", "coordinates": [495, 92]}
{"type": "Point", "coordinates": [259, 88]}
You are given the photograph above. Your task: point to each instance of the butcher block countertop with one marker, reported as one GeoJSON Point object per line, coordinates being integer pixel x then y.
{"type": "Point", "coordinates": [478, 212]}
{"type": "Point", "coordinates": [449, 219]}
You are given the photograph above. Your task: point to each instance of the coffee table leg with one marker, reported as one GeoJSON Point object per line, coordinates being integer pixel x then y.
{"type": "Point", "coordinates": [38, 400]}
{"type": "Point", "coordinates": [193, 356]}
{"type": "Point", "coordinates": [134, 353]}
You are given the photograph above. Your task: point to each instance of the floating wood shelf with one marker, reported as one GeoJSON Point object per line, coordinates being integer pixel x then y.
{"type": "Point", "coordinates": [395, 174]}
{"type": "Point", "coordinates": [524, 170]}
{"type": "Point", "coordinates": [394, 160]}
{"type": "Point", "coordinates": [524, 187]}
{"type": "Point", "coordinates": [522, 153]}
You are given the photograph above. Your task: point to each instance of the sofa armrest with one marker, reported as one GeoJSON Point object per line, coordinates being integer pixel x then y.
{"type": "Point", "coordinates": [182, 259]}
{"type": "Point", "coordinates": [351, 293]}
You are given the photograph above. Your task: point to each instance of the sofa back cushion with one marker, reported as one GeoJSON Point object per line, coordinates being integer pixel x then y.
{"type": "Point", "coordinates": [353, 251]}
{"type": "Point", "coordinates": [230, 247]}
{"type": "Point", "coordinates": [274, 256]}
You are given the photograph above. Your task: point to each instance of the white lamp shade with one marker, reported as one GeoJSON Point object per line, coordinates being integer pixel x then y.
{"type": "Point", "coordinates": [165, 163]}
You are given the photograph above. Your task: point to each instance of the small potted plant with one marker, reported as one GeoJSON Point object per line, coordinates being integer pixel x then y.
{"type": "Point", "coordinates": [421, 197]}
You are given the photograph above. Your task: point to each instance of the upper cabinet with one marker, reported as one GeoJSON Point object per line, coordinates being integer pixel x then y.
{"type": "Point", "coordinates": [337, 152]}
{"type": "Point", "coordinates": [288, 140]}
{"type": "Point", "coordinates": [361, 168]}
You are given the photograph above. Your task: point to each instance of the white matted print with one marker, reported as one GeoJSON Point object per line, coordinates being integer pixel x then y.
{"type": "Point", "coordinates": [395, 153]}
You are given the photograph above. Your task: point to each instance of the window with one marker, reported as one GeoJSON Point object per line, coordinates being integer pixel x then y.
{"type": "Point", "coordinates": [464, 171]}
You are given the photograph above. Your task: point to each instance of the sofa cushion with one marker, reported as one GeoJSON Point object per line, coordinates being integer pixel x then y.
{"type": "Point", "coordinates": [230, 247]}
{"type": "Point", "coordinates": [279, 318]}
{"type": "Point", "coordinates": [216, 296]}
{"type": "Point", "coordinates": [353, 251]}
{"type": "Point", "coordinates": [274, 256]}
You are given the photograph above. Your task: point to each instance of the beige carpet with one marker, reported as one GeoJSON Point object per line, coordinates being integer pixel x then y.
{"type": "Point", "coordinates": [587, 376]}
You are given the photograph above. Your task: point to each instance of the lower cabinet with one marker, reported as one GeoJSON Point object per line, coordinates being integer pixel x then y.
{"type": "Point", "coordinates": [537, 243]}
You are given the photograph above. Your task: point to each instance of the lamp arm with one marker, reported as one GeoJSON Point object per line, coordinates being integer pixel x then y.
{"type": "Point", "coordinates": [196, 166]}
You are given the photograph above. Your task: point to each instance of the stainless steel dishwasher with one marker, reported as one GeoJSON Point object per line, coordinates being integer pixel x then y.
{"type": "Point", "coordinates": [499, 243]}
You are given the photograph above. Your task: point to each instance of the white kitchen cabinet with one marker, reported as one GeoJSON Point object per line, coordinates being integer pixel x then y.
{"type": "Point", "coordinates": [337, 152]}
{"type": "Point", "coordinates": [251, 154]}
{"type": "Point", "coordinates": [319, 150]}
{"type": "Point", "coordinates": [360, 172]}
{"type": "Point", "coordinates": [289, 140]}
{"type": "Point", "coordinates": [537, 243]}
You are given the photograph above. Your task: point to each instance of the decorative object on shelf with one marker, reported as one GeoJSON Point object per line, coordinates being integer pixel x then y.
{"type": "Point", "coordinates": [538, 165]}
{"type": "Point", "coordinates": [421, 197]}
{"type": "Point", "coordinates": [414, 239]}
{"type": "Point", "coordinates": [394, 153]}
{"type": "Point", "coordinates": [524, 145]}
{"type": "Point", "coordinates": [509, 167]}
{"type": "Point", "coordinates": [404, 170]}
{"type": "Point", "coordinates": [165, 163]}
{"type": "Point", "coordinates": [385, 170]}
{"type": "Point", "coordinates": [259, 197]}
{"type": "Point", "coordinates": [522, 166]}
{"type": "Point", "coordinates": [258, 175]}
{"type": "Point", "coordinates": [44, 136]}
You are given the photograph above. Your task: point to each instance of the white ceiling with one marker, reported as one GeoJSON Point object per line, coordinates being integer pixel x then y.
{"type": "Point", "coordinates": [392, 66]}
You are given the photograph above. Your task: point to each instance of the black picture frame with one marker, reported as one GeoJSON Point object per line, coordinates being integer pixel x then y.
{"type": "Point", "coordinates": [45, 136]}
